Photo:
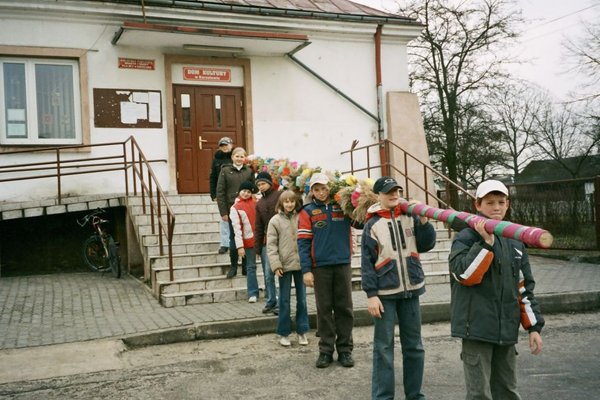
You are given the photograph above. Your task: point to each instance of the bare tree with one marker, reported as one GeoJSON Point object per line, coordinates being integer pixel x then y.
{"type": "Point", "coordinates": [457, 53]}
{"type": "Point", "coordinates": [479, 144]}
{"type": "Point", "coordinates": [583, 54]}
{"type": "Point", "coordinates": [562, 134]}
{"type": "Point", "coordinates": [479, 150]}
{"type": "Point", "coordinates": [515, 106]}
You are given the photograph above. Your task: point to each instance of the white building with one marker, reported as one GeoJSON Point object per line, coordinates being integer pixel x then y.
{"type": "Point", "coordinates": [286, 79]}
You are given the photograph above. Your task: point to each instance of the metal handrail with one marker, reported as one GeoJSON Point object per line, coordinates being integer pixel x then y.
{"type": "Point", "coordinates": [386, 144]}
{"type": "Point", "coordinates": [155, 204]}
{"type": "Point", "coordinates": [139, 165]}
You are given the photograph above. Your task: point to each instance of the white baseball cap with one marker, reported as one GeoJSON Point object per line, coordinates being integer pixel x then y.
{"type": "Point", "coordinates": [318, 177]}
{"type": "Point", "coordinates": [489, 186]}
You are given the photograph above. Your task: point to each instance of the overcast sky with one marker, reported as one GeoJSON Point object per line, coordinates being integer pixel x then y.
{"type": "Point", "coordinates": [541, 44]}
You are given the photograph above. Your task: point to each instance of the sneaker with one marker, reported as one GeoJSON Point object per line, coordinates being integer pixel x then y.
{"type": "Point", "coordinates": [302, 340]}
{"type": "Point", "coordinates": [324, 360]}
{"type": "Point", "coordinates": [223, 250]}
{"type": "Point", "coordinates": [252, 299]}
{"type": "Point", "coordinates": [285, 341]}
{"type": "Point", "coordinates": [346, 360]}
{"type": "Point", "coordinates": [275, 310]}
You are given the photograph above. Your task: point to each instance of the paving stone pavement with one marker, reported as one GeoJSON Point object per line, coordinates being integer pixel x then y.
{"type": "Point", "coordinates": [63, 308]}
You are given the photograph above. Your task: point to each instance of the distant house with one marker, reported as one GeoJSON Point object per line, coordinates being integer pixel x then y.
{"type": "Point", "coordinates": [550, 179]}
{"type": "Point", "coordinates": [551, 170]}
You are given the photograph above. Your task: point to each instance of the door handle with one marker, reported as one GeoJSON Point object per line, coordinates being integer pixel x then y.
{"type": "Point", "coordinates": [200, 141]}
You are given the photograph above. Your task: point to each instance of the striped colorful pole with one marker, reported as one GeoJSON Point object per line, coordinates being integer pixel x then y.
{"type": "Point", "coordinates": [532, 236]}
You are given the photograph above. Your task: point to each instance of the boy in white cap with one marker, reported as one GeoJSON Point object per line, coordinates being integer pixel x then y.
{"type": "Point", "coordinates": [324, 246]}
{"type": "Point", "coordinates": [492, 292]}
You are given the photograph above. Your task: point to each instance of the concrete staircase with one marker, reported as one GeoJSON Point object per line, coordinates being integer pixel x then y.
{"type": "Point", "coordinates": [200, 272]}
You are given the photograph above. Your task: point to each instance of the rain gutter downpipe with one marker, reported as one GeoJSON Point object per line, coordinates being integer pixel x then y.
{"type": "Point", "coordinates": [290, 55]}
{"type": "Point", "coordinates": [383, 156]}
{"type": "Point", "coordinates": [378, 82]}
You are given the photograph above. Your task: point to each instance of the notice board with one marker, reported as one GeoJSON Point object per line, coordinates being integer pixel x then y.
{"type": "Point", "coordinates": [127, 108]}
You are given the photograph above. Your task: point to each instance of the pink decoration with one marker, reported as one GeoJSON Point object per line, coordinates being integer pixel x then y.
{"type": "Point", "coordinates": [529, 235]}
{"type": "Point", "coordinates": [354, 198]}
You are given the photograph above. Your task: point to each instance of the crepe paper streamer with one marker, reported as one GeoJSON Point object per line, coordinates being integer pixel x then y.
{"type": "Point", "coordinates": [532, 236]}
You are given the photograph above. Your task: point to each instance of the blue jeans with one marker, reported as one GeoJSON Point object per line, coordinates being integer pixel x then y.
{"type": "Point", "coordinates": [224, 232]}
{"type": "Point", "coordinates": [284, 321]}
{"type": "Point", "coordinates": [413, 355]}
{"type": "Point", "coordinates": [270, 290]}
{"type": "Point", "coordinates": [251, 281]}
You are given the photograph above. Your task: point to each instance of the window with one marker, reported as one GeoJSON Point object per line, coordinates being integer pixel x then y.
{"type": "Point", "coordinates": [40, 101]}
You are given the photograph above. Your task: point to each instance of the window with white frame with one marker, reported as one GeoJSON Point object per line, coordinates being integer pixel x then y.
{"type": "Point", "coordinates": [40, 102]}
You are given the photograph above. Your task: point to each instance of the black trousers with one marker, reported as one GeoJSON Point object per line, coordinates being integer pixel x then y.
{"type": "Point", "coordinates": [335, 316]}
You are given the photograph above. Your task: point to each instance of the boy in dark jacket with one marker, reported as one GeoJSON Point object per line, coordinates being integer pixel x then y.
{"type": "Point", "coordinates": [266, 208]}
{"type": "Point", "coordinates": [492, 292]}
{"type": "Point", "coordinates": [324, 246]}
{"type": "Point", "coordinates": [222, 157]}
{"type": "Point", "coordinates": [393, 279]}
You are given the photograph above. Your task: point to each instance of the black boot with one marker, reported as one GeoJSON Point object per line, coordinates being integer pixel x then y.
{"type": "Point", "coordinates": [232, 272]}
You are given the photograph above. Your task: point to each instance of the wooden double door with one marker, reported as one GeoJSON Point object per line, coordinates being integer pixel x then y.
{"type": "Point", "coordinates": [203, 115]}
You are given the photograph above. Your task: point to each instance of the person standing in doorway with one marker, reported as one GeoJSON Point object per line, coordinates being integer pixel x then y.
{"type": "Point", "coordinates": [230, 179]}
{"type": "Point", "coordinates": [222, 157]}
{"type": "Point", "coordinates": [265, 210]}
{"type": "Point", "coordinates": [393, 279]}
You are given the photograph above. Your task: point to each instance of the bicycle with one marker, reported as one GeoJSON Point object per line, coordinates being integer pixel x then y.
{"type": "Point", "coordinates": [100, 251]}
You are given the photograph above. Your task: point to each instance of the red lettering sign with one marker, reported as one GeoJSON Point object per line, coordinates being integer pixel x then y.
{"type": "Point", "coordinates": [207, 74]}
{"type": "Point", "coordinates": [134, 63]}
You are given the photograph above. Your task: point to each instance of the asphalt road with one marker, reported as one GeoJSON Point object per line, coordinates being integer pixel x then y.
{"type": "Point", "coordinates": [258, 368]}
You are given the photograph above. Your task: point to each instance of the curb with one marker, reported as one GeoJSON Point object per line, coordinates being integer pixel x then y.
{"type": "Point", "coordinates": [551, 303]}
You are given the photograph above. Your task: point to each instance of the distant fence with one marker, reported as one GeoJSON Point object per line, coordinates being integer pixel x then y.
{"type": "Point", "coordinates": [569, 209]}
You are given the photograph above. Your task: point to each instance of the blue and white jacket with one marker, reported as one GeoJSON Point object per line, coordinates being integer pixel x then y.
{"type": "Point", "coordinates": [391, 243]}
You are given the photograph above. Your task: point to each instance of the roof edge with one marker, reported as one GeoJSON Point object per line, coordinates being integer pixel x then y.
{"type": "Point", "coordinates": [272, 11]}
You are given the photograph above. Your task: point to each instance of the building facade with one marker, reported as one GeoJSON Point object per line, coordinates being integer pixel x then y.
{"type": "Point", "coordinates": [284, 79]}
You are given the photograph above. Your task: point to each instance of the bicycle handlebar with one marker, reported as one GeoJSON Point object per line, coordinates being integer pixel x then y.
{"type": "Point", "coordinates": [85, 219]}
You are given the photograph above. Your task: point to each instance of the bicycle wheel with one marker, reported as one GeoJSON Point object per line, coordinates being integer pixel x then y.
{"type": "Point", "coordinates": [114, 261]}
{"type": "Point", "coordinates": [93, 253]}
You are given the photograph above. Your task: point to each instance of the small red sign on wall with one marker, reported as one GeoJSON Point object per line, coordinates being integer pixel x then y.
{"type": "Point", "coordinates": [207, 74]}
{"type": "Point", "coordinates": [136, 63]}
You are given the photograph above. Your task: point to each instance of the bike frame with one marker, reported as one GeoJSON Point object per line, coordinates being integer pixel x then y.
{"type": "Point", "coordinates": [97, 223]}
